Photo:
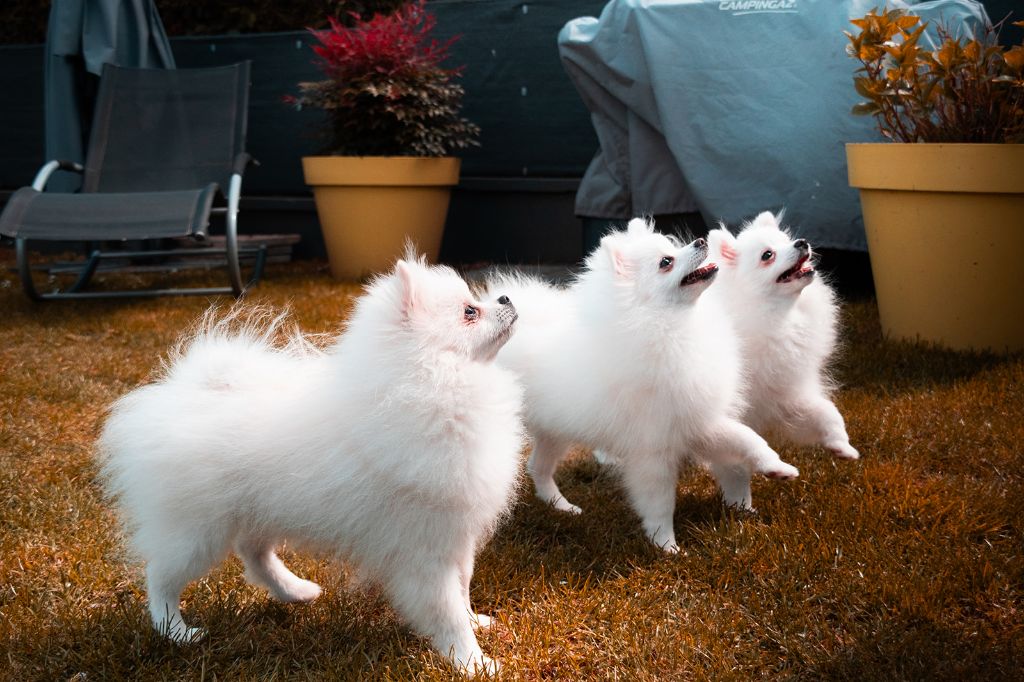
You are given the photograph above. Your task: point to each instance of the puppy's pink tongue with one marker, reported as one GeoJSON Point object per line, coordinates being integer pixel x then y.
{"type": "Point", "coordinates": [701, 274]}
{"type": "Point", "coordinates": [802, 268]}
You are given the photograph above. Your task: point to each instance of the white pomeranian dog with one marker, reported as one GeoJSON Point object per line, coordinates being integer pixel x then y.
{"type": "Point", "coordinates": [786, 318]}
{"type": "Point", "coordinates": [397, 448]}
{"type": "Point", "coordinates": [630, 359]}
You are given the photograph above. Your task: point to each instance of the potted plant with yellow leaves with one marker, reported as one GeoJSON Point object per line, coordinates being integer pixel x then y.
{"type": "Point", "coordinates": [392, 114]}
{"type": "Point", "coordinates": [943, 202]}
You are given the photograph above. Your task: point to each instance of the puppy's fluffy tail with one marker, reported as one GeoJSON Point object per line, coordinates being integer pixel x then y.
{"type": "Point", "coordinates": [224, 351]}
{"type": "Point", "coordinates": [242, 340]}
{"type": "Point", "coordinates": [238, 355]}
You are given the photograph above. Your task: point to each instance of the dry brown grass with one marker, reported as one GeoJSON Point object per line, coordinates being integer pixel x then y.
{"type": "Point", "coordinates": [906, 565]}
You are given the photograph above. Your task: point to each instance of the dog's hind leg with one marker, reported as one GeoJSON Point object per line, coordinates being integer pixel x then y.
{"type": "Point", "coordinates": [817, 421]}
{"type": "Point", "coordinates": [480, 621]}
{"type": "Point", "coordinates": [547, 454]}
{"type": "Point", "coordinates": [166, 576]}
{"type": "Point", "coordinates": [430, 597]}
{"type": "Point", "coordinates": [263, 567]}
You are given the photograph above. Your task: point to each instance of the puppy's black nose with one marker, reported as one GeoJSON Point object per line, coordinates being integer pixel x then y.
{"type": "Point", "coordinates": [801, 245]}
{"type": "Point", "coordinates": [503, 300]}
{"type": "Point", "coordinates": [699, 243]}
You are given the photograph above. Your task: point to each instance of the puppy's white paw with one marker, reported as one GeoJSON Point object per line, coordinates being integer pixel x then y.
{"type": "Point", "coordinates": [842, 450]}
{"type": "Point", "coordinates": [562, 504]}
{"type": "Point", "coordinates": [182, 634]}
{"type": "Point", "coordinates": [484, 665]}
{"type": "Point", "coordinates": [780, 471]}
{"type": "Point", "coordinates": [741, 507]}
{"type": "Point", "coordinates": [665, 540]}
{"type": "Point", "coordinates": [481, 621]}
{"type": "Point", "coordinates": [568, 507]}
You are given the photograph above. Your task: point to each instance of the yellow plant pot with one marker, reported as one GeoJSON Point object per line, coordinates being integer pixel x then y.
{"type": "Point", "coordinates": [368, 206]}
{"type": "Point", "coordinates": [945, 231]}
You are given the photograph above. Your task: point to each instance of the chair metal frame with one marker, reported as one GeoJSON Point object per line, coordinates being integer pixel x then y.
{"type": "Point", "coordinates": [231, 250]}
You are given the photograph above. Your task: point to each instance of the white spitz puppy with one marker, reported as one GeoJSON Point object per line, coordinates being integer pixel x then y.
{"type": "Point", "coordinates": [786, 318]}
{"type": "Point", "coordinates": [631, 360]}
{"type": "Point", "coordinates": [396, 448]}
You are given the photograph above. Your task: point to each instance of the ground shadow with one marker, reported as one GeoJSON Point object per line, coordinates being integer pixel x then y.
{"type": "Point", "coordinates": [908, 649]}
{"type": "Point", "coordinates": [867, 360]}
{"type": "Point", "coordinates": [606, 540]}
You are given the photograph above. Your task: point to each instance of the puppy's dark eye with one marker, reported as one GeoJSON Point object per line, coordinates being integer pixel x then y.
{"type": "Point", "coordinates": [471, 313]}
{"type": "Point", "coordinates": [767, 255]}
{"type": "Point", "coordinates": [666, 263]}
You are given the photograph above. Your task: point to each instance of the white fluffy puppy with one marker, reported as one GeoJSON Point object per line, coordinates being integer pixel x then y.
{"type": "Point", "coordinates": [786, 319]}
{"type": "Point", "coordinates": [631, 360]}
{"type": "Point", "coordinates": [396, 448]}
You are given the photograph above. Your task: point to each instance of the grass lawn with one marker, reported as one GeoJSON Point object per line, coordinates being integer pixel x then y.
{"type": "Point", "coordinates": [904, 565]}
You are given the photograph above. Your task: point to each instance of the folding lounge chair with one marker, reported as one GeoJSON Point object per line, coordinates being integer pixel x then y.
{"type": "Point", "coordinates": [165, 146]}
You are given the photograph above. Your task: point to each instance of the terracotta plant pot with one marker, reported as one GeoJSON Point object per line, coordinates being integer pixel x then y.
{"type": "Point", "coordinates": [945, 231]}
{"type": "Point", "coordinates": [368, 206]}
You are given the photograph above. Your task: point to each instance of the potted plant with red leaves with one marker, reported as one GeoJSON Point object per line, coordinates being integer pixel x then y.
{"type": "Point", "coordinates": [392, 114]}
{"type": "Point", "coordinates": [943, 202]}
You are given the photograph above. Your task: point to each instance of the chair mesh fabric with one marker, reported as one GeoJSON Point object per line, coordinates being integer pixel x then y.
{"type": "Point", "coordinates": [174, 129]}
{"type": "Point", "coordinates": [102, 216]}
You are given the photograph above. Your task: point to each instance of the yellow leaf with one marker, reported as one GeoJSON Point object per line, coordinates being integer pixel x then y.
{"type": "Point", "coordinates": [907, 21]}
{"type": "Point", "coordinates": [864, 86]}
{"type": "Point", "coordinates": [972, 50]}
{"type": "Point", "coordinates": [1014, 57]}
{"type": "Point", "coordinates": [946, 55]}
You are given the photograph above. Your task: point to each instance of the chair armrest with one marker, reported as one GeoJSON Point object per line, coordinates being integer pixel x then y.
{"type": "Point", "coordinates": [49, 168]}
{"type": "Point", "coordinates": [243, 161]}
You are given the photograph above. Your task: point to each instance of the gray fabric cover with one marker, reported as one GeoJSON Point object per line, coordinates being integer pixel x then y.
{"type": "Point", "coordinates": [729, 107]}
{"type": "Point", "coordinates": [111, 216]}
{"type": "Point", "coordinates": [82, 36]}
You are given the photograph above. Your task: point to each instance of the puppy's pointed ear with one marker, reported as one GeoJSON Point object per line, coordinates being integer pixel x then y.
{"type": "Point", "coordinates": [617, 259]}
{"type": "Point", "coordinates": [639, 226]}
{"type": "Point", "coordinates": [408, 283]}
{"type": "Point", "coordinates": [766, 219]}
{"type": "Point", "coordinates": [723, 245]}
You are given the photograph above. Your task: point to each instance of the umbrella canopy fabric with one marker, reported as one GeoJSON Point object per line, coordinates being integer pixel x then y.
{"type": "Point", "coordinates": [82, 36]}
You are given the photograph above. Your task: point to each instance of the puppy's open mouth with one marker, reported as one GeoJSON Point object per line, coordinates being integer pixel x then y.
{"type": "Point", "coordinates": [803, 268]}
{"type": "Point", "coordinates": [700, 275]}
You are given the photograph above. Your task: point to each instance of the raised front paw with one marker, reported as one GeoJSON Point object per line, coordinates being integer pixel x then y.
{"type": "Point", "coordinates": [779, 471]}
{"type": "Point", "coordinates": [842, 450]}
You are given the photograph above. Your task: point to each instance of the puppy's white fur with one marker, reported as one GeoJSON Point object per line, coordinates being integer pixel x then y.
{"type": "Point", "coordinates": [631, 360]}
{"type": "Point", "coordinates": [788, 332]}
{"type": "Point", "coordinates": [396, 448]}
